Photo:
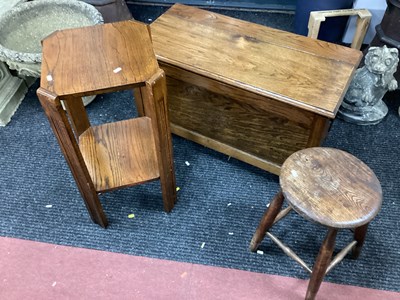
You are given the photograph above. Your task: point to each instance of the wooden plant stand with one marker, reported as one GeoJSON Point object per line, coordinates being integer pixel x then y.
{"type": "Point", "coordinates": [101, 59]}
{"type": "Point", "coordinates": [246, 90]}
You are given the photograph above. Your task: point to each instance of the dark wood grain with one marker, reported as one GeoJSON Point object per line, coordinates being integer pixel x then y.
{"type": "Point", "coordinates": [331, 187]}
{"type": "Point", "coordinates": [321, 264]}
{"type": "Point", "coordinates": [319, 131]}
{"type": "Point", "coordinates": [267, 221]}
{"type": "Point", "coordinates": [236, 123]}
{"type": "Point", "coordinates": [359, 236]}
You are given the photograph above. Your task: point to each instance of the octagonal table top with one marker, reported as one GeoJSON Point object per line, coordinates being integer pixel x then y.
{"type": "Point", "coordinates": [95, 59]}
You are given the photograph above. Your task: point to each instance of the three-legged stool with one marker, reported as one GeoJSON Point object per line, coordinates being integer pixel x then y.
{"type": "Point", "coordinates": [100, 59]}
{"type": "Point", "coordinates": [332, 188]}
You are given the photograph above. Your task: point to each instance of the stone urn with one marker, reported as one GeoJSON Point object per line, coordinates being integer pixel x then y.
{"type": "Point", "coordinates": [25, 25]}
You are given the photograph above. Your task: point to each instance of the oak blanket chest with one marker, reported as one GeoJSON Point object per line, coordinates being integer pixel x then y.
{"type": "Point", "coordinates": [252, 92]}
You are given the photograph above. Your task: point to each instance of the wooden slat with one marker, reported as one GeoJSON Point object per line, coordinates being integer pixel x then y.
{"type": "Point", "coordinates": [320, 128]}
{"type": "Point", "coordinates": [339, 257]}
{"type": "Point", "coordinates": [283, 213]}
{"type": "Point", "coordinates": [289, 252]}
{"type": "Point", "coordinates": [120, 154]}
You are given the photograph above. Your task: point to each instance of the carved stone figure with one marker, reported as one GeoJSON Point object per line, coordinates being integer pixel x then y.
{"type": "Point", "coordinates": [363, 103]}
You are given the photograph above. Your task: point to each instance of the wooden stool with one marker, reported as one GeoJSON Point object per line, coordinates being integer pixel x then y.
{"type": "Point", "coordinates": [99, 59]}
{"type": "Point", "coordinates": [329, 187]}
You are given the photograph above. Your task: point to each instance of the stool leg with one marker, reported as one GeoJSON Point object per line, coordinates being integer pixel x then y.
{"type": "Point", "coordinates": [267, 221]}
{"type": "Point", "coordinates": [155, 106]}
{"type": "Point", "coordinates": [359, 235]}
{"type": "Point", "coordinates": [321, 264]}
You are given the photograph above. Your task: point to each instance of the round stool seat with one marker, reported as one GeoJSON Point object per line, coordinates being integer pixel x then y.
{"type": "Point", "coordinates": [331, 187]}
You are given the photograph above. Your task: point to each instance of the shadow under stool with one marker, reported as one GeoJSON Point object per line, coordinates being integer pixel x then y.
{"type": "Point", "coordinates": [329, 187]}
{"type": "Point", "coordinates": [100, 59]}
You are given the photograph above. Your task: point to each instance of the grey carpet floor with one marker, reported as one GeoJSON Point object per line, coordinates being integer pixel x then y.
{"type": "Point", "coordinates": [220, 201]}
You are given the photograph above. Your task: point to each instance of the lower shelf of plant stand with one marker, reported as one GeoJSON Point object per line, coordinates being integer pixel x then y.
{"type": "Point", "coordinates": [120, 154]}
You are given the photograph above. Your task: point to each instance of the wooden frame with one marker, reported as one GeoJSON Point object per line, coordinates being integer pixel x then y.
{"type": "Point", "coordinates": [363, 21]}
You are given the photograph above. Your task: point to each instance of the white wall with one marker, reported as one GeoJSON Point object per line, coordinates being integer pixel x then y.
{"type": "Point", "coordinates": [377, 9]}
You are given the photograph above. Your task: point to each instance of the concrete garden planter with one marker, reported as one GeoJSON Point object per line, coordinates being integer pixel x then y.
{"type": "Point", "coordinates": [25, 25]}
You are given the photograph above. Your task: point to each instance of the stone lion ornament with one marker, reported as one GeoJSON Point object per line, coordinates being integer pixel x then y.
{"type": "Point", "coordinates": [363, 103]}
